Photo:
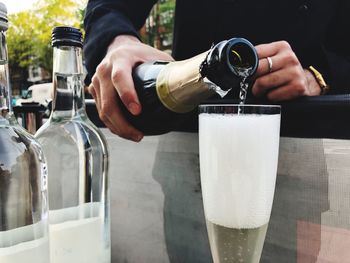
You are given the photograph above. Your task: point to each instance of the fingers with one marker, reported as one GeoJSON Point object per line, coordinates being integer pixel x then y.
{"type": "Point", "coordinates": [123, 82]}
{"type": "Point", "coordinates": [113, 86]}
{"type": "Point", "coordinates": [280, 54]}
{"type": "Point", "coordinates": [287, 83]}
{"type": "Point", "coordinates": [264, 67]}
{"type": "Point", "coordinates": [271, 49]}
{"type": "Point", "coordinates": [285, 93]}
{"type": "Point", "coordinates": [107, 104]}
{"type": "Point", "coordinates": [94, 90]}
{"type": "Point", "coordinates": [111, 114]}
{"type": "Point", "coordinates": [269, 81]}
{"type": "Point", "coordinates": [286, 79]}
{"type": "Point", "coordinates": [112, 117]}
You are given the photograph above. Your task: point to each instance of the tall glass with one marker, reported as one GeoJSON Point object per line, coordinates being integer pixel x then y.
{"type": "Point", "coordinates": [238, 164]}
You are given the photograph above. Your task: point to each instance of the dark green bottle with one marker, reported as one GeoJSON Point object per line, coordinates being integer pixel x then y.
{"type": "Point", "coordinates": [169, 90]}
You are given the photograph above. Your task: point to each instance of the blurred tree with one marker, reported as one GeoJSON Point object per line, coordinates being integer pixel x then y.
{"type": "Point", "coordinates": [20, 39]}
{"type": "Point", "coordinates": [29, 34]}
{"type": "Point", "coordinates": [158, 30]}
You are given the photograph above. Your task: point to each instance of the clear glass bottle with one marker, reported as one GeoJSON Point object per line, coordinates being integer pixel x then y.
{"type": "Point", "coordinates": [23, 186]}
{"type": "Point", "coordinates": [77, 158]}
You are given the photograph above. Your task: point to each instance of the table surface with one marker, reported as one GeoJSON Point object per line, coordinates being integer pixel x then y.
{"type": "Point", "coordinates": [157, 214]}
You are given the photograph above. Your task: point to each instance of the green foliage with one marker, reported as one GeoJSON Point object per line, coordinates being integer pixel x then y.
{"type": "Point", "coordinates": [21, 39]}
{"type": "Point", "coordinates": [29, 33]}
{"type": "Point", "coordinates": [167, 5]}
{"type": "Point", "coordinates": [159, 26]}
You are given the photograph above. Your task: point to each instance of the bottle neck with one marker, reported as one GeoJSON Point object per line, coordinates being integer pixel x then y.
{"type": "Point", "coordinates": [229, 63]}
{"type": "Point", "coordinates": [68, 82]}
{"type": "Point", "coordinates": [182, 85]}
{"type": "Point", "coordinates": [5, 91]}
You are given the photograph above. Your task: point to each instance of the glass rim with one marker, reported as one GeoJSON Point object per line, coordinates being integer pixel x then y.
{"type": "Point", "coordinates": [240, 105]}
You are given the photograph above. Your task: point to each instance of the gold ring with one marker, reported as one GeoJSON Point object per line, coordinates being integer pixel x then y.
{"type": "Point", "coordinates": [269, 61]}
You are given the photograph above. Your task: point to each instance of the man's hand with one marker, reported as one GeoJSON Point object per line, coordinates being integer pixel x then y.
{"type": "Point", "coordinates": [287, 79]}
{"type": "Point", "coordinates": [113, 84]}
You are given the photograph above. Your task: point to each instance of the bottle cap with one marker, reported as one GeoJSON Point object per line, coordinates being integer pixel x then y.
{"type": "Point", "coordinates": [3, 17]}
{"type": "Point", "coordinates": [67, 36]}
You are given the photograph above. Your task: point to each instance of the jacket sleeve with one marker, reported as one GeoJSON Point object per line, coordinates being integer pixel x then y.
{"type": "Point", "coordinates": [337, 50]}
{"type": "Point", "coordinates": [106, 19]}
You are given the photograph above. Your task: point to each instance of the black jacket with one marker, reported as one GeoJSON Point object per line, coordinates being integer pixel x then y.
{"type": "Point", "coordinates": [317, 30]}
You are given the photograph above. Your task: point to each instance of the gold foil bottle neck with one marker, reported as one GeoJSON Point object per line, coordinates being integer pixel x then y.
{"type": "Point", "coordinates": [180, 86]}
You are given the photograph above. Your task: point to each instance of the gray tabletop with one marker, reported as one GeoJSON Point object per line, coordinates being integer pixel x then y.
{"type": "Point", "coordinates": [157, 212]}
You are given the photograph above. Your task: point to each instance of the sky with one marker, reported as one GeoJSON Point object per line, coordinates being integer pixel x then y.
{"type": "Point", "coordinates": [14, 6]}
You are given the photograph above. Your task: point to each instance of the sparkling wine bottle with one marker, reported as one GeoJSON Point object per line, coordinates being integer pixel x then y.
{"type": "Point", "coordinates": [169, 90]}
{"type": "Point", "coordinates": [77, 158]}
{"type": "Point", "coordinates": [24, 233]}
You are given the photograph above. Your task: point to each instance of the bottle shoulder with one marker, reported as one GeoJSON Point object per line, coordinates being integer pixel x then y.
{"type": "Point", "coordinates": [16, 142]}
{"type": "Point", "coordinates": [8, 119]}
{"type": "Point", "coordinates": [12, 130]}
{"type": "Point", "coordinates": [72, 132]}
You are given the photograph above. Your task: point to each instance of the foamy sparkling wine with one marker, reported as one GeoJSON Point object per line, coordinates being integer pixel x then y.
{"type": "Point", "coordinates": [238, 165]}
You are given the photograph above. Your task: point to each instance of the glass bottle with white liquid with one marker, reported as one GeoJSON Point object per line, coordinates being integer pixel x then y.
{"type": "Point", "coordinates": [23, 187]}
{"type": "Point", "coordinates": [77, 159]}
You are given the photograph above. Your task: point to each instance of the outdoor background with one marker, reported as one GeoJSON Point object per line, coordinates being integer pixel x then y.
{"type": "Point", "coordinates": [29, 35]}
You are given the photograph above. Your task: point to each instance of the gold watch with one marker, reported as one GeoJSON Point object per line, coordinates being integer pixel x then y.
{"type": "Point", "coordinates": [320, 80]}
